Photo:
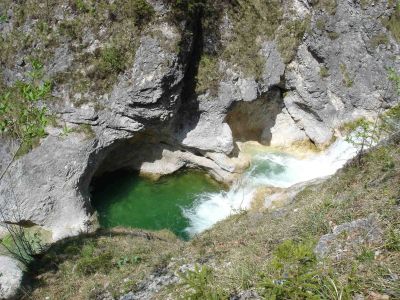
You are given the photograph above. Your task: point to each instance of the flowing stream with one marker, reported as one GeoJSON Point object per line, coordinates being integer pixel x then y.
{"type": "Point", "coordinates": [268, 168]}
{"type": "Point", "coordinates": [189, 202]}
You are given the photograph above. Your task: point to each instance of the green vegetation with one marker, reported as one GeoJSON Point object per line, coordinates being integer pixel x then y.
{"type": "Point", "coordinates": [199, 282]}
{"type": "Point", "coordinates": [366, 3]}
{"type": "Point", "coordinates": [393, 23]}
{"type": "Point", "coordinates": [141, 11]}
{"type": "Point", "coordinates": [395, 78]}
{"type": "Point", "coordinates": [23, 243]}
{"type": "Point", "coordinates": [22, 112]}
{"type": "Point", "coordinates": [347, 80]}
{"type": "Point", "coordinates": [119, 23]}
{"type": "Point", "coordinates": [324, 72]}
{"type": "Point", "coordinates": [289, 37]}
{"type": "Point", "coordinates": [293, 273]}
{"type": "Point", "coordinates": [116, 260]}
{"type": "Point", "coordinates": [320, 24]}
{"type": "Point", "coordinates": [87, 130]}
{"type": "Point", "coordinates": [111, 60]}
{"type": "Point", "coordinates": [3, 19]}
{"type": "Point", "coordinates": [366, 133]}
{"type": "Point", "coordinates": [333, 35]}
{"type": "Point", "coordinates": [252, 20]}
{"type": "Point", "coordinates": [267, 251]}
{"type": "Point", "coordinates": [380, 39]}
{"type": "Point", "coordinates": [328, 6]}
{"type": "Point", "coordinates": [208, 75]}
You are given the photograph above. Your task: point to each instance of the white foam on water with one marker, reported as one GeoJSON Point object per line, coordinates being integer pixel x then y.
{"type": "Point", "coordinates": [268, 169]}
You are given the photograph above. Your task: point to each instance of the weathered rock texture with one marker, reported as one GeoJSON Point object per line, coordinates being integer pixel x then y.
{"type": "Point", "coordinates": [10, 278]}
{"type": "Point", "coordinates": [349, 239]}
{"type": "Point", "coordinates": [153, 121]}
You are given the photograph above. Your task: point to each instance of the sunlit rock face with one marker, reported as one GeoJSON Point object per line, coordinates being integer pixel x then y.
{"type": "Point", "coordinates": [152, 120]}
{"type": "Point", "coordinates": [11, 278]}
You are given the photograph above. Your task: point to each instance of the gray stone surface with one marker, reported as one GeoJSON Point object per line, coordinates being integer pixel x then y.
{"type": "Point", "coordinates": [148, 122]}
{"type": "Point", "coordinates": [349, 239]}
{"type": "Point", "coordinates": [355, 83]}
{"type": "Point", "coordinates": [274, 67]}
{"type": "Point", "coordinates": [246, 295]}
{"type": "Point", "coordinates": [10, 278]}
{"type": "Point", "coordinates": [153, 284]}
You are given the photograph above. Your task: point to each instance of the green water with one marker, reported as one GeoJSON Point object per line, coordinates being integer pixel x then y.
{"type": "Point", "coordinates": [125, 199]}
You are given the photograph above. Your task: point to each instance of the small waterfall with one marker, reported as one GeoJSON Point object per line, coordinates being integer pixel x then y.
{"type": "Point", "coordinates": [273, 169]}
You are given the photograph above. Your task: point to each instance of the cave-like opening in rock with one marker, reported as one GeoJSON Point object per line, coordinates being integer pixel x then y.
{"type": "Point", "coordinates": [252, 121]}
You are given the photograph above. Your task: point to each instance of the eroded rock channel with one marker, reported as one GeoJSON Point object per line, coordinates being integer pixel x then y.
{"type": "Point", "coordinates": [153, 120]}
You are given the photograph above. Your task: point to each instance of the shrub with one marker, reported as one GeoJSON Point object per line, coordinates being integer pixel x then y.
{"type": "Point", "coordinates": [111, 61]}
{"type": "Point", "coordinates": [251, 20]}
{"type": "Point", "coordinates": [320, 24]}
{"type": "Point", "coordinates": [87, 130]}
{"type": "Point", "coordinates": [324, 72]}
{"type": "Point", "coordinates": [289, 38]}
{"type": "Point", "coordinates": [22, 243]}
{"type": "Point", "coordinates": [393, 23]}
{"type": "Point", "coordinates": [347, 80]}
{"type": "Point", "coordinates": [198, 284]}
{"type": "Point", "coordinates": [380, 39]}
{"type": "Point", "coordinates": [208, 75]}
{"type": "Point", "coordinates": [333, 35]}
{"type": "Point", "coordinates": [92, 264]}
{"type": "Point", "coordinates": [328, 6]}
{"type": "Point", "coordinates": [22, 115]}
{"type": "Point", "coordinates": [141, 11]}
{"type": "Point", "coordinates": [293, 273]}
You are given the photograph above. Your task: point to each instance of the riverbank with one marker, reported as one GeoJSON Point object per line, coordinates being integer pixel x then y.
{"type": "Point", "coordinates": [244, 252]}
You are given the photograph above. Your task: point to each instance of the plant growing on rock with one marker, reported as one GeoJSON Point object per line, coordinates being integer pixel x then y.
{"type": "Point", "coordinates": [23, 115]}
{"type": "Point", "coordinates": [198, 282]}
{"type": "Point", "coordinates": [364, 133]}
{"type": "Point", "coordinates": [19, 242]}
{"type": "Point", "coordinates": [293, 273]}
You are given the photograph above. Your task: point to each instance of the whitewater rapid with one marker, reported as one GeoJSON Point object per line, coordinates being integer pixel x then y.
{"type": "Point", "coordinates": [268, 168]}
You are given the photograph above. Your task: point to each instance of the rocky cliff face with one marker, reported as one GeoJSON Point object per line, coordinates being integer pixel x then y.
{"type": "Point", "coordinates": [324, 64]}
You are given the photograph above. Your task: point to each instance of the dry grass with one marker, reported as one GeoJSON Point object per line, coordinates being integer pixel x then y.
{"type": "Point", "coordinates": [114, 261]}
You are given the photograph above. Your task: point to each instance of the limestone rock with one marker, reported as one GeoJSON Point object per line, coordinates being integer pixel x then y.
{"type": "Point", "coordinates": [10, 278]}
{"type": "Point", "coordinates": [153, 284]}
{"type": "Point", "coordinates": [274, 67]}
{"type": "Point", "coordinates": [152, 120]}
{"type": "Point", "coordinates": [285, 131]}
{"type": "Point", "coordinates": [339, 74]}
{"type": "Point", "coordinates": [246, 295]}
{"type": "Point", "coordinates": [46, 186]}
{"type": "Point", "coordinates": [348, 239]}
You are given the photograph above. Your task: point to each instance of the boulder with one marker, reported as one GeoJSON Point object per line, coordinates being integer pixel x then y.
{"type": "Point", "coordinates": [10, 278]}
{"type": "Point", "coordinates": [349, 239]}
